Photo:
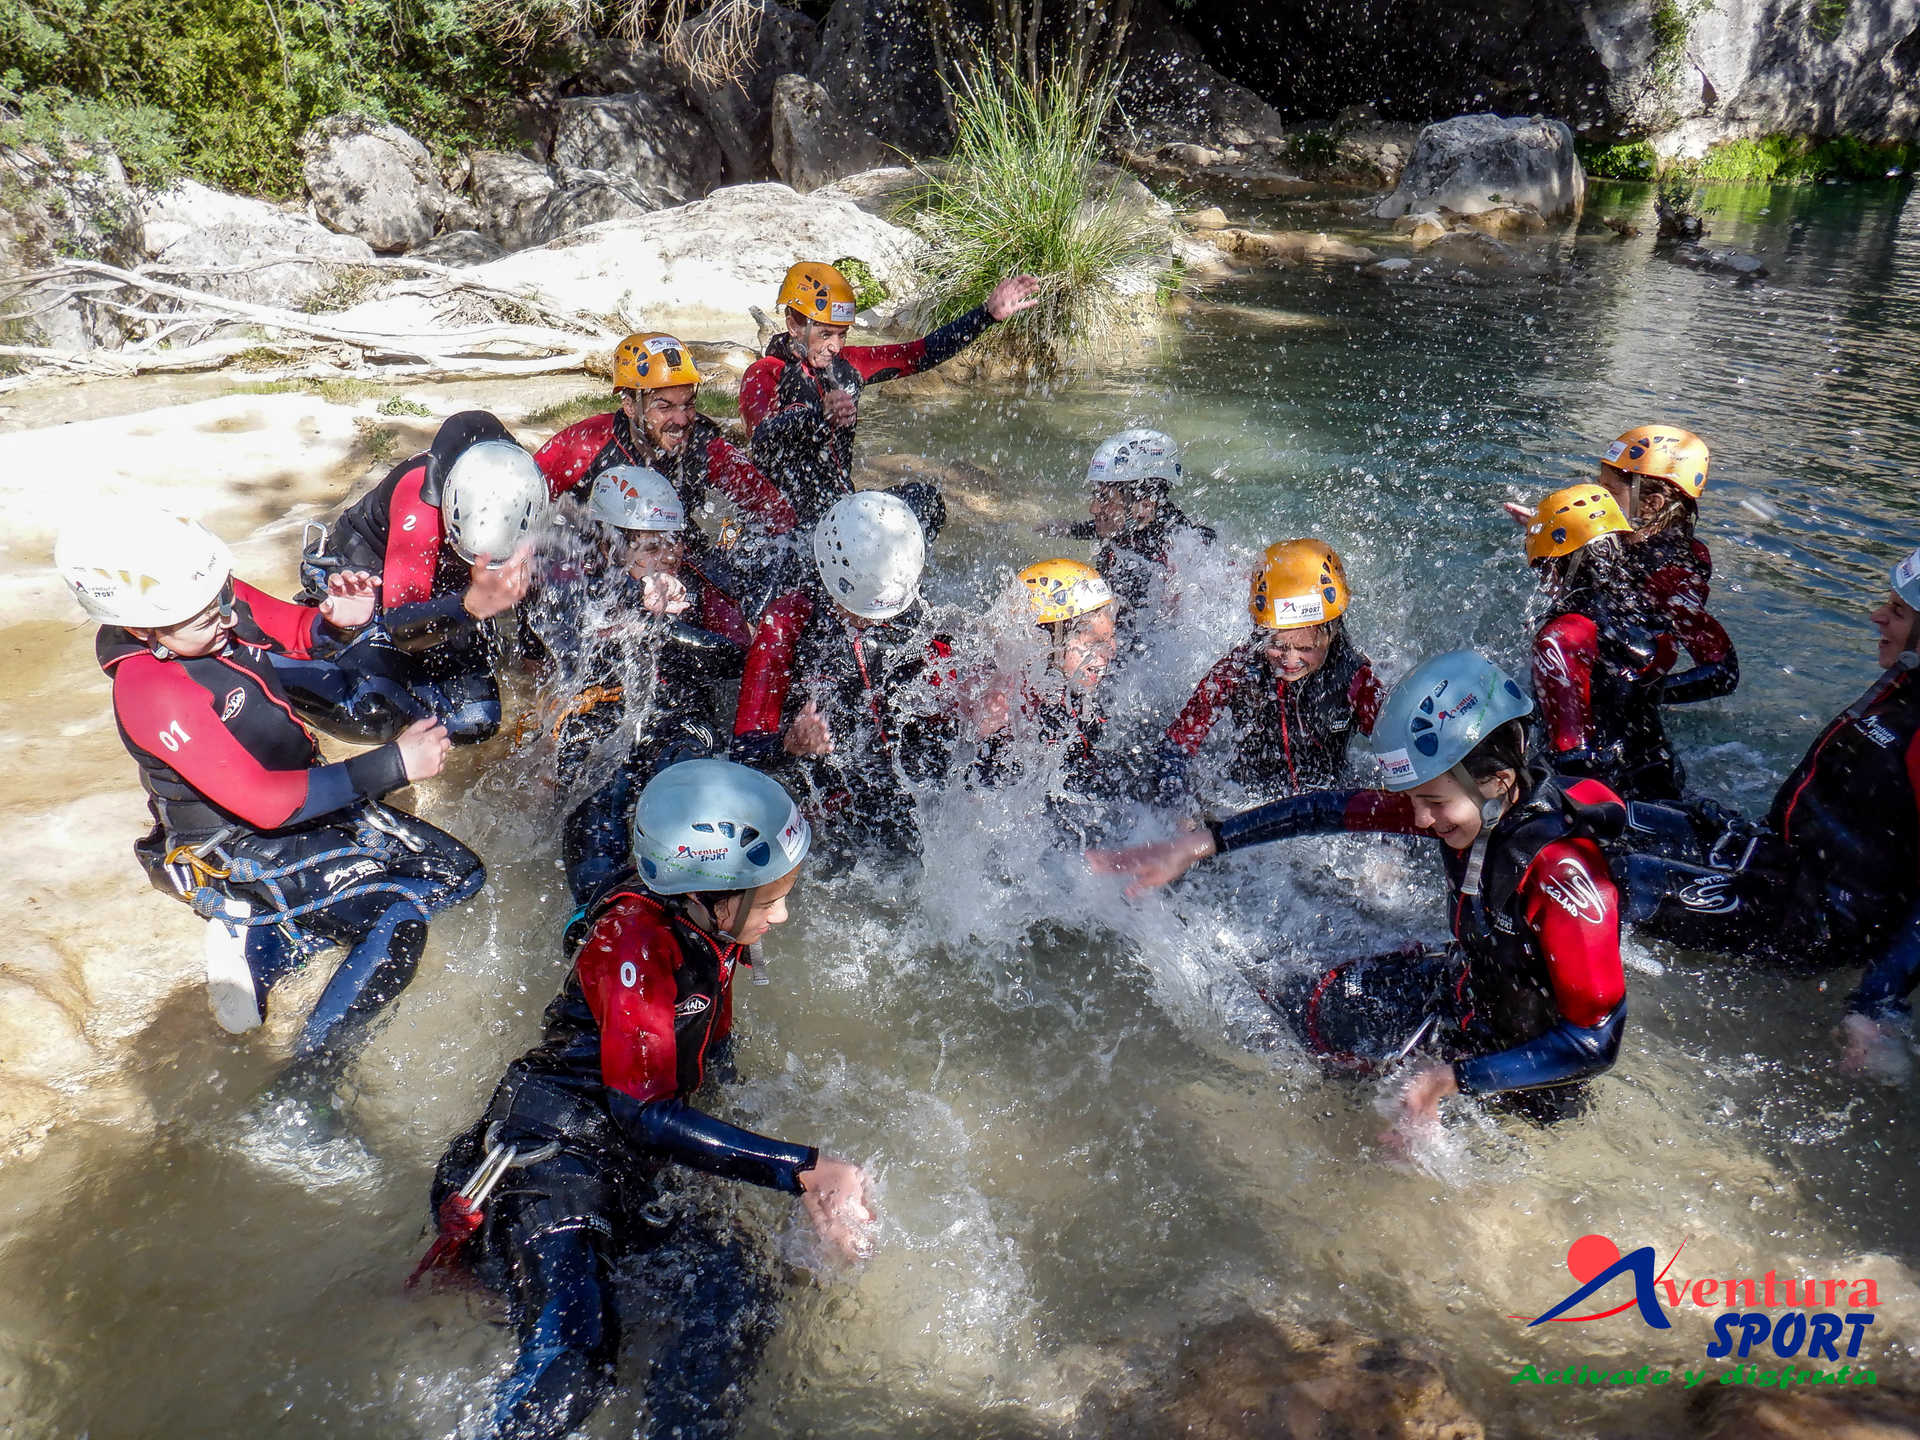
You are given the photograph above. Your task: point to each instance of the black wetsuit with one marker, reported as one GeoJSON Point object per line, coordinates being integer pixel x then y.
{"type": "Point", "coordinates": [1830, 878]}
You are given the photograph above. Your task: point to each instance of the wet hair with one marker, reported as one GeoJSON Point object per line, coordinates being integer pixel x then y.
{"type": "Point", "coordinates": [1504, 749]}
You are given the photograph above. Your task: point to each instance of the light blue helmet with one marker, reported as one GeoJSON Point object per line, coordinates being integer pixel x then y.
{"type": "Point", "coordinates": [1436, 716]}
{"type": "Point", "coordinates": [715, 825]}
{"type": "Point", "coordinates": [1906, 580]}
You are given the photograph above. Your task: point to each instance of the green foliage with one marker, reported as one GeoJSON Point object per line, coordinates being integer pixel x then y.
{"type": "Point", "coordinates": [226, 87]}
{"type": "Point", "coordinates": [1828, 18]}
{"type": "Point", "coordinates": [1786, 159]}
{"type": "Point", "coordinates": [1021, 194]}
{"type": "Point", "coordinates": [1672, 22]}
{"type": "Point", "coordinates": [400, 405]}
{"type": "Point", "coordinates": [562, 413]}
{"type": "Point", "coordinates": [1314, 149]}
{"type": "Point", "coordinates": [716, 404]}
{"type": "Point", "coordinates": [1619, 160]}
{"type": "Point", "coordinates": [868, 289]}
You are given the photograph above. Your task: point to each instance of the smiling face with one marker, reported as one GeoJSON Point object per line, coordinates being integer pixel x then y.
{"type": "Point", "coordinates": [1089, 649]}
{"type": "Point", "coordinates": [653, 552]}
{"type": "Point", "coordinates": [817, 341]}
{"type": "Point", "coordinates": [1296, 654]}
{"type": "Point", "coordinates": [1895, 622]}
{"type": "Point", "coordinates": [749, 914]}
{"type": "Point", "coordinates": [1448, 811]}
{"type": "Point", "coordinates": [665, 415]}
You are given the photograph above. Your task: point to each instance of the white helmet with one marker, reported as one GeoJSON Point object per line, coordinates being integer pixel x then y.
{"type": "Point", "coordinates": [1134, 457]}
{"type": "Point", "coordinates": [870, 550]}
{"type": "Point", "coordinates": [138, 565]}
{"type": "Point", "coordinates": [494, 498]}
{"type": "Point", "coordinates": [632, 497]}
{"type": "Point", "coordinates": [714, 825]}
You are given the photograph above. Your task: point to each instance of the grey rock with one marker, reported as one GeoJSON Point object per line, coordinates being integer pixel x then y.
{"type": "Point", "coordinates": [508, 192]}
{"type": "Point", "coordinates": [740, 113]}
{"type": "Point", "coordinates": [1721, 261]}
{"type": "Point", "coordinates": [651, 138]}
{"type": "Point", "coordinates": [1473, 163]}
{"type": "Point", "coordinates": [814, 143]}
{"type": "Point", "coordinates": [457, 247]}
{"type": "Point", "coordinates": [587, 197]}
{"type": "Point", "coordinates": [73, 201]}
{"type": "Point", "coordinates": [255, 262]}
{"type": "Point", "coordinates": [1171, 95]}
{"type": "Point", "coordinates": [372, 181]}
{"type": "Point", "coordinates": [879, 192]}
{"type": "Point", "coordinates": [880, 62]}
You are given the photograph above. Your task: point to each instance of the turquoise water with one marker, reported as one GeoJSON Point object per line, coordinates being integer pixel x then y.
{"type": "Point", "coordinates": [1083, 1134]}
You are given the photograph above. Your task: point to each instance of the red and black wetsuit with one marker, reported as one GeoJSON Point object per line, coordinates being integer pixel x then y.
{"type": "Point", "coordinates": [1832, 877]}
{"type": "Point", "coordinates": [230, 768]}
{"type": "Point", "coordinates": [629, 1041]}
{"type": "Point", "coordinates": [1536, 994]}
{"type": "Point", "coordinates": [395, 531]}
{"type": "Point", "coordinates": [783, 401]}
{"type": "Point", "coordinates": [1674, 572]}
{"type": "Point", "coordinates": [1288, 736]}
{"type": "Point", "coordinates": [1133, 560]}
{"type": "Point", "coordinates": [883, 690]}
{"type": "Point", "coordinates": [1598, 669]}
{"type": "Point", "coordinates": [579, 453]}
{"type": "Point", "coordinates": [1059, 726]}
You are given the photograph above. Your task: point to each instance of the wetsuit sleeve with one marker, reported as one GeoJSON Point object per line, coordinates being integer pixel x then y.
{"type": "Point", "coordinates": [172, 719]}
{"type": "Point", "coordinates": [289, 626]}
{"type": "Point", "coordinates": [565, 458]}
{"type": "Point", "coordinates": [1196, 720]}
{"type": "Point", "coordinates": [1364, 696]}
{"type": "Point", "coordinates": [426, 623]}
{"type": "Point", "coordinates": [1891, 977]}
{"type": "Point", "coordinates": [720, 613]}
{"type": "Point", "coordinates": [759, 391]}
{"type": "Point", "coordinates": [880, 363]}
{"type": "Point", "coordinates": [1716, 668]}
{"type": "Point", "coordinates": [1564, 656]}
{"type": "Point", "coordinates": [699, 1141]}
{"type": "Point", "coordinates": [767, 678]}
{"type": "Point", "coordinates": [718, 656]}
{"type": "Point", "coordinates": [1571, 903]}
{"type": "Point", "coordinates": [741, 482]}
{"type": "Point", "coordinates": [1317, 812]}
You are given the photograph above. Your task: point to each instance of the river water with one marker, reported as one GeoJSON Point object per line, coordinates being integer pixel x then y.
{"type": "Point", "coordinates": [1085, 1135]}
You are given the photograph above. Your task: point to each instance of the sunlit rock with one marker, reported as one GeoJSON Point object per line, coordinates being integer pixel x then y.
{"type": "Point", "coordinates": [1483, 162]}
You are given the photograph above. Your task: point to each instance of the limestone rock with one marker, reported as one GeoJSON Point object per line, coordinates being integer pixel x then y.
{"type": "Point", "coordinates": [586, 197]}
{"type": "Point", "coordinates": [1171, 94]}
{"type": "Point", "coordinates": [705, 264]}
{"type": "Point", "coordinates": [880, 61]}
{"type": "Point", "coordinates": [878, 192]}
{"type": "Point", "coordinates": [1287, 247]}
{"type": "Point", "coordinates": [457, 247]}
{"type": "Point", "coordinates": [1211, 218]}
{"type": "Point", "coordinates": [649, 137]}
{"type": "Point", "coordinates": [814, 143]}
{"type": "Point", "coordinates": [73, 202]}
{"type": "Point", "coordinates": [1473, 163]}
{"type": "Point", "coordinates": [1505, 220]}
{"type": "Point", "coordinates": [508, 191]}
{"type": "Point", "coordinates": [740, 113]}
{"type": "Point", "coordinates": [1250, 1378]}
{"type": "Point", "coordinates": [372, 181]}
{"type": "Point", "coordinates": [1423, 228]}
{"type": "Point", "coordinates": [1880, 1412]}
{"type": "Point", "coordinates": [228, 245]}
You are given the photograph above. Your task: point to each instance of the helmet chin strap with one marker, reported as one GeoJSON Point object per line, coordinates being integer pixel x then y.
{"type": "Point", "coordinates": [1492, 807]}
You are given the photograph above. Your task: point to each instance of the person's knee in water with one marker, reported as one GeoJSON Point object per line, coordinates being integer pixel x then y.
{"type": "Point", "coordinates": [1541, 1002]}
{"type": "Point", "coordinates": [582, 1125]}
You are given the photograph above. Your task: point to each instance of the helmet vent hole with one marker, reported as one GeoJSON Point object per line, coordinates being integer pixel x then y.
{"type": "Point", "coordinates": [759, 854]}
{"type": "Point", "coordinates": [703, 827]}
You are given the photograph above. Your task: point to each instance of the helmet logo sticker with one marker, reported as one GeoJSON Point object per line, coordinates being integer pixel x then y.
{"type": "Point", "coordinates": [1397, 764]}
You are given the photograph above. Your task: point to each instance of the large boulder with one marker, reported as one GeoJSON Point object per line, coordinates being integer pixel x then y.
{"type": "Point", "coordinates": [229, 245]}
{"type": "Point", "coordinates": [739, 111]}
{"type": "Point", "coordinates": [814, 143]}
{"type": "Point", "coordinates": [1169, 93]}
{"type": "Point", "coordinates": [880, 60]}
{"type": "Point", "coordinates": [508, 193]}
{"type": "Point", "coordinates": [587, 197]}
{"type": "Point", "coordinates": [1473, 163]}
{"type": "Point", "coordinates": [73, 202]}
{"type": "Point", "coordinates": [372, 181]}
{"type": "Point", "coordinates": [705, 264]}
{"type": "Point", "coordinates": [649, 136]}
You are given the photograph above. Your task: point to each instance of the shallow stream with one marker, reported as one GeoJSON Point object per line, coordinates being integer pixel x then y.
{"type": "Point", "coordinates": [1083, 1132]}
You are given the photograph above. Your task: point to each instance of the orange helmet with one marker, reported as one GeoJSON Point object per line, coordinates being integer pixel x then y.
{"type": "Point", "coordinates": [1663, 452]}
{"type": "Point", "coordinates": [1572, 519]}
{"type": "Point", "coordinates": [652, 362]}
{"type": "Point", "coordinates": [1299, 583]}
{"type": "Point", "coordinates": [818, 292]}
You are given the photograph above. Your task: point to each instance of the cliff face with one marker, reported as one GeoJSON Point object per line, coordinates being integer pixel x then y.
{"type": "Point", "coordinates": [1692, 71]}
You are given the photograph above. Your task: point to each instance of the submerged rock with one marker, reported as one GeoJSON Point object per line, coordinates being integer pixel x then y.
{"type": "Point", "coordinates": [1286, 247]}
{"type": "Point", "coordinates": [1876, 1413]}
{"type": "Point", "coordinates": [1474, 163]}
{"type": "Point", "coordinates": [1723, 261]}
{"type": "Point", "coordinates": [1251, 1378]}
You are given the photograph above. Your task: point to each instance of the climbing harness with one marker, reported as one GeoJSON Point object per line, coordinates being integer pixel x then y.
{"type": "Point", "coordinates": [461, 1213]}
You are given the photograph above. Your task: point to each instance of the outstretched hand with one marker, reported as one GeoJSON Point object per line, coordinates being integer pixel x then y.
{"type": "Point", "coordinates": [1874, 1051]}
{"type": "Point", "coordinates": [1153, 865]}
{"type": "Point", "coordinates": [834, 1194]}
{"type": "Point", "coordinates": [351, 598]}
{"type": "Point", "coordinates": [664, 595]}
{"type": "Point", "coordinates": [494, 590]}
{"type": "Point", "coordinates": [1420, 1105]}
{"type": "Point", "coordinates": [1012, 295]}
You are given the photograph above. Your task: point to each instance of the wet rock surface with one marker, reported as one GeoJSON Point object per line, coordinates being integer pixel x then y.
{"type": "Point", "coordinates": [1851, 1413]}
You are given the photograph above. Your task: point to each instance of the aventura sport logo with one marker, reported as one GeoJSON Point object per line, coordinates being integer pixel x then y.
{"type": "Point", "coordinates": [1797, 1318]}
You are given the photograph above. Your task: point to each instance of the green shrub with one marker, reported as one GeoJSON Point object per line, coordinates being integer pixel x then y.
{"type": "Point", "coordinates": [1620, 160]}
{"type": "Point", "coordinates": [1021, 194]}
{"type": "Point", "coordinates": [868, 289]}
{"type": "Point", "coordinates": [400, 405]}
{"type": "Point", "coordinates": [1786, 159]}
{"type": "Point", "coordinates": [1313, 149]}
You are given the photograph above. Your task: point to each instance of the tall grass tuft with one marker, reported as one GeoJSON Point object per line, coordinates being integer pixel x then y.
{"type": "Point", "coordinates": [1024, 193]}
